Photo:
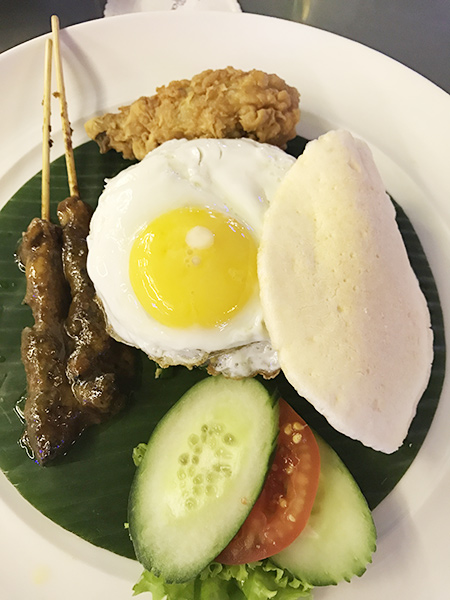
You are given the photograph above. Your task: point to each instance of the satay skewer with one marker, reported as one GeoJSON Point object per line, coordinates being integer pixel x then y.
{"type": "Point", "coordinates": [46, 127]}
{"type": "Point", "coordinates": [53, 418]}
{"type": "Point", "coordinates": [99, 369]}
{"type": "Point", "coordinates": [77, 375]}
{"type": "Point", "coordinates": [67, 131]}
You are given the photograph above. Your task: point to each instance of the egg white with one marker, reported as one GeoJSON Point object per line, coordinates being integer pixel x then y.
{"type": "Point", "coordinates": [238, 177]}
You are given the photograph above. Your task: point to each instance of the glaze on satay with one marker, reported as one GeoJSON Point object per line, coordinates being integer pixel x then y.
{"type": "Point", "coordinates": [77, 375]}
{"type": "Point", "coordinates": [99, 368]}
{"type": "Point", "coordinates": [52, 416]}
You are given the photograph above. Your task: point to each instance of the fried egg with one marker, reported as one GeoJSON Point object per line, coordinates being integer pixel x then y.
{"type": "Point", "coordinates": [173, 249]}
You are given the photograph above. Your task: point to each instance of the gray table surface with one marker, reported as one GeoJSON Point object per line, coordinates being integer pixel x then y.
{"type": "Point", "coordinates": [414, 32]}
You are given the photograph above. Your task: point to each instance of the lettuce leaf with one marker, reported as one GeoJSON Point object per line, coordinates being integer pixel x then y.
{"type": "Point", "coordinates": [256, 581]}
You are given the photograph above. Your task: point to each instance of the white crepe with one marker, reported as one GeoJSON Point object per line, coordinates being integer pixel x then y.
{"type": "Point", "coordinates": [341, 302]}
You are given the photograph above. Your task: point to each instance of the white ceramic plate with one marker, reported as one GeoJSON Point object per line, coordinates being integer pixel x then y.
{"type": "Point", "coordinates": [403, 117]}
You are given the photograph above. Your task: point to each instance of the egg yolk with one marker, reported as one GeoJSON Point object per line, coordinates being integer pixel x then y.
{"type": "Point", "coordinates": [193, 266]}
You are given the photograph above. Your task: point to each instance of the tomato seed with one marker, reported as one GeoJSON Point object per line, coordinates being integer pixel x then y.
{"type": "Point", "coordinates": [288, 429]}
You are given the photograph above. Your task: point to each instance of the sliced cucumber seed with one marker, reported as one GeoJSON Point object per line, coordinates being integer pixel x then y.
{"type": "Point", "coordinates": [193, 439]}
{"type": "Point", "coordinates": [190, 504]}
{"type": "Point", "coordinates": [226, 471]}
{"type": "Point", "coordinates": [183, 458]}
{"type": "Point", "coordinates": [228, 439]}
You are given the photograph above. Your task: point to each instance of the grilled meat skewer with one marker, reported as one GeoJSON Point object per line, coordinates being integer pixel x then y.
{"type": "Point", "coordinates": [76, 374]}
{"type": "Point", "coordinates": [99, 368]}
{"type": "Point", "coordinates": [52, 414]}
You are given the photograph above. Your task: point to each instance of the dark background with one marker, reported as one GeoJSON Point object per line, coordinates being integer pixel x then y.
{"type": "Point", "coordinates": [414, 32]}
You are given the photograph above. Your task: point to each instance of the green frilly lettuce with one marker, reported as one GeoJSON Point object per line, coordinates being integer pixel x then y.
{"type": "Point", "coordinates": [256, 581]}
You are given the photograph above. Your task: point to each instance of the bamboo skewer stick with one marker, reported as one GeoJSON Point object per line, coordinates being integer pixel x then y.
{"type": "Point", "coordinates": [46, 142]}
{"type": "Point", "coordinates": [67, 131]}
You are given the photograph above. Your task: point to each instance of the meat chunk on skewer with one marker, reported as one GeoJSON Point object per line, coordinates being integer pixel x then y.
{"type": "Point", "coordinates": [100, 369]}
{"type": "Point", "coordinates": [224, 103]}
{"type": "Point", "coordinates": [52, 414]}
{"type": "Point", "coordinates": [47, 292]}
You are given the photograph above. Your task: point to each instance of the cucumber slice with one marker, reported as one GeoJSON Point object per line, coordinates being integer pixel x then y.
{"type": "Point", "coordinates": [340, 537]}
{"type": "Point", "coordinates": [204, 467]}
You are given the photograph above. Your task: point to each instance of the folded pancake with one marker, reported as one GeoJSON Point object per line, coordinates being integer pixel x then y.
{"type": "Point", "coordinates": [341, 302]}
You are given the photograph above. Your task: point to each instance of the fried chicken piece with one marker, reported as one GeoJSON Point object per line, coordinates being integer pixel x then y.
{"type": "Point", "coordinates": [225, 103]}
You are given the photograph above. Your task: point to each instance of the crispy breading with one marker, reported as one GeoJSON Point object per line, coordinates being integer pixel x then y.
{"type": "Point", "coordinates": [224, 103]}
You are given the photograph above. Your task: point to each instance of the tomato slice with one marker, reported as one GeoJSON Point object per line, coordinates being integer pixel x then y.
{"type": "Point", "coordinates": [284, 505]}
